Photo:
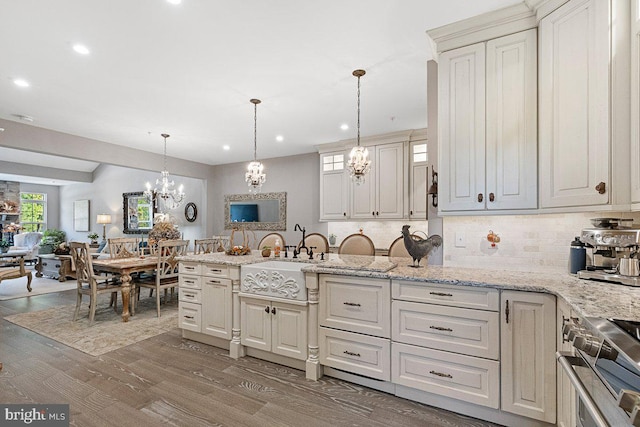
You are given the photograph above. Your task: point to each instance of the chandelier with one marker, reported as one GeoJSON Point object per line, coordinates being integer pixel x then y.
{"type": "Point", "coordinates": [164, 189]}
{"type": "Point", "coordinates": [254, 176]}
{"type": "Point", "coordinates": [359, 163]}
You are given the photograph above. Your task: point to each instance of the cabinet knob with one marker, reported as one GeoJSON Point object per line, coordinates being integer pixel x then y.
{"type": "Point", "coordinates": [601, 188]}
{"type": "Point", "coordinates": [377, 213]}
{"type": "Point", "coordinates": [373, 213]}
{"type": "Point", "coordinates": [480, 197]}
{"type": "Point", "coordinates": [266, 309]}
{"type": "Point", "coordinates": [492, 197]}
{"type": "Point", "coordinates": [273, 310]}
{"type": "Point", "coordinates": [344, 214]}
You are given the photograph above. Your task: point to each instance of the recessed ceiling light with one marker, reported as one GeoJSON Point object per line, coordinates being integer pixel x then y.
{"type": "Point", "coordinates": [81, 49]}
{"type": "Point", "coordinates": [344, 126]}
{"type": "Point", "coordinates": [174, 1]}
{"type": "Point", "coordinates": [21, 82]}
{"type": "Point", "coordinates": [226, 148]}
{"type": "Point", "coordinates": [1, 129]}
{"type": "Point", "coordinates": [279, 138]}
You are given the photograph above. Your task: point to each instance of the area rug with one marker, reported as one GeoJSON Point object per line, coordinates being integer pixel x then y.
{"type": "Point", "coordinates": [108, 331]}
{"type": "Point", "coordinates": [17, 288]}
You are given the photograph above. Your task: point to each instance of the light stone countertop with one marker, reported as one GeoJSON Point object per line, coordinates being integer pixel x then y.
{"type": "Point", "coordinates": [588, 298]}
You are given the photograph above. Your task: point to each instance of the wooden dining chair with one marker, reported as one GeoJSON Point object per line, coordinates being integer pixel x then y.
{"type": "Point", "coordinates": [124, 247]}
{"type": "Point", "coordinates": [316, 240]}
{"type": "Point", "coordinates": [357, 244]}
{"type": "Point", "coordinates": [166, 268]}
{"type": "Point", "coordinates": [90, 283]}
{"type": "Point", "coordinates": [205, 246]}
{"type": "Point", "coordinates": [270, 240]}
{"type": "Point", "coordinates": [397, 248]}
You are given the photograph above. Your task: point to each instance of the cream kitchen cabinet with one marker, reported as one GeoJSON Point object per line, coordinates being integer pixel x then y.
{"type": "Point", "coordinates": [334, 187]}
{"type": "Point", "coordinates": [584, 106]}
{"type": "Point", "coordinates": [527, 356]}
{"type": "Point", "coordinates": [635, 103]}
{"type": "Point", "coordinates": [419, 180]}
{"type": "Point", "coordinates": [487, 121]}
{"type": "Point", "coordinates": [274, 326]}
{"type": "Point", "coordinates": [382, 193]}
{"type": "Point", "coordinates": [566, 403]}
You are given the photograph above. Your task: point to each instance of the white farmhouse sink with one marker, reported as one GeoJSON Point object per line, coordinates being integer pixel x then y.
{"type": "Point", "coordinates": [279, 279]}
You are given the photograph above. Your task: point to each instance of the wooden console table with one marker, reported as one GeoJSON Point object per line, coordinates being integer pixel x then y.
{"type": "Point", "coordinates": [13, 268]}
{"type": "Point", "coordinates": [55, 266]}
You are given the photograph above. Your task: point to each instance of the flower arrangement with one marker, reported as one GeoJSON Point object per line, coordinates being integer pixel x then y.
{"type": "Point", "coordinates": [163, 231]}
{"type": "Point", "coordinates": [93, 237]}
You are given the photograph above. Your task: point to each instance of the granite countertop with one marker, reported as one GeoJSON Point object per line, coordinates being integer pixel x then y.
{"type": "Point", "coordinates": [587, 298]}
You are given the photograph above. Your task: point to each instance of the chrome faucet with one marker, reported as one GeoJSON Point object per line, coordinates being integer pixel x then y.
{"type": "Point", "coordinates": [302, 245]}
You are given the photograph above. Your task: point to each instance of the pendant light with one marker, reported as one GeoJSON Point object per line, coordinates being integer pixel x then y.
{"type": "Point", "coordinates": [164, 189]}
{"type": "Point", "coordinates": [359, 163]}
{"type": "Point", "coordinates": [254, 176]}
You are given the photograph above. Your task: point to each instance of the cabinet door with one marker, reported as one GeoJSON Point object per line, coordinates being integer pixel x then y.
{"type": "Point", "coordinates": [512, 137]}
{"type": "Point", "coordinates": [363, 195]}
{"type": "Point", "coordinates": [216, 307]}
{"type": "Point", "coordinates": [419, 181]}
{"type": "Point", "coordinates": [635, 101]}
{"type": "Point", "coordinates": [527, 356]}
{"type": "Point", "coordinates": [574, 104]}
{"type": "Point", "coordinates": [461, 126]}
{"type": "Point", "coordinates": [334, 188]}
{"type": "Point", "coordinates": [255, 323]}
{"type": "Point", "coordinates": [289, 330]}
{"type": "Point", "coordinates": [566, 392]}
{"type": "Point", "coordinates": [389, 180]}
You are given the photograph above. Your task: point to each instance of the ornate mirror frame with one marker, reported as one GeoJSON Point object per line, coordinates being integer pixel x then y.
{"type": "Point", "coordinates": [145, 212]}
{"type": "Point", "coordinates": [281, 198]}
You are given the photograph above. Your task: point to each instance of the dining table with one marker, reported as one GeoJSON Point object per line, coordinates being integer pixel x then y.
{"type": "Point", "coordinates": [124, 267]}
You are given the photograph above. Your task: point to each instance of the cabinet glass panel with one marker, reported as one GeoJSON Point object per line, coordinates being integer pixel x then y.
{"type": "Point", "coordinates": [420, 153]}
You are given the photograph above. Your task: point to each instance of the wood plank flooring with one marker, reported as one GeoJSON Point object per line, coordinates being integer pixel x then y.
{"type": "Point", "coordinates": [167, 380]}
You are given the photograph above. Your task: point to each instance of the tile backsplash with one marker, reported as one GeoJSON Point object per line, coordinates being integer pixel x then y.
{"type": "Point", "coordinates": [527, 242]}
{"type": "Point", "coordinates": [383, 233]}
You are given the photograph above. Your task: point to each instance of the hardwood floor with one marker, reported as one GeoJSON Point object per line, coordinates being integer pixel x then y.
{"type": "Point", "coordinates": [172, 381]}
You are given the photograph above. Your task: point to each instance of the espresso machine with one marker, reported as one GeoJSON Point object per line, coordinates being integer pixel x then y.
{"type": "Point", "coordinates": [609, 241]}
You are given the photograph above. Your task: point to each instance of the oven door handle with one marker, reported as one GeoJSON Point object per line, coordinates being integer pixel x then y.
{"type": "Point", "coordinates": [567, 361]}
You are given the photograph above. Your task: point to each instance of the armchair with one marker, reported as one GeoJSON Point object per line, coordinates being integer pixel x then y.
{"type": "Point", "coordinates": [29, 242]}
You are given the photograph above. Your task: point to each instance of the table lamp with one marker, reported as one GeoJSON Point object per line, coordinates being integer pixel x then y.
{"type": "Point", "coordinates": [104, 219]}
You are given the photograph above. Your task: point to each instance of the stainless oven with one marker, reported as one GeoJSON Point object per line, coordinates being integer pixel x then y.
{"type": "Point", "coordinates": [605, 371]}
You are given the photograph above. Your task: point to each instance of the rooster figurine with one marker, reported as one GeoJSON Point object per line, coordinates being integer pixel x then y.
{"type": "Point", "coordinates": [419, 249]}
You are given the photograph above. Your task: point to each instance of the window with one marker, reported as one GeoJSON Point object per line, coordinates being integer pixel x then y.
{"type": "Point", "coordinates": [33, 211]}
{"type": "Point", "coordinates": [333, 162]}
{"type": "Point", "coordinates": [420, 153]}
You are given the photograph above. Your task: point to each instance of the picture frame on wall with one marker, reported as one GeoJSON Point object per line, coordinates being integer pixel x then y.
{"type": "Point", "coordinates": [81, 215]}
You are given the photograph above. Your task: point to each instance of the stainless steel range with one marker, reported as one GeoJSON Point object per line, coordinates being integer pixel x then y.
{"type": "Point", "coordinates": [605, 371]}
{"type": "Point", "coordinates": [612, 243]}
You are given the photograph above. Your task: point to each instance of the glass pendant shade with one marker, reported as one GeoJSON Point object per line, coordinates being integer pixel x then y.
{"type": "Point", "coordinates": [359, 163]}
{"type": "Point", "coordinates": [255, 176]}
{"type": "Point", "coordinates": [164, 191]}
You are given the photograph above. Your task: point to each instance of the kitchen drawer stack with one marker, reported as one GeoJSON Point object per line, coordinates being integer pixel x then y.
{"type": "Point", "coordinates": [355, 331]}
{"type": "Point", "coordinates": [205, 295]}
{"type": "Point", "coordinates": [446, 340]}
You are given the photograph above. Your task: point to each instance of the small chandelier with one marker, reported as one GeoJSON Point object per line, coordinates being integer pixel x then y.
{"type": "Point", "coordinates": [254, 176]}
{"type": "Point", "coordinates": [359, 163]}
{"type": "Point", "coordinates": [164, 189]}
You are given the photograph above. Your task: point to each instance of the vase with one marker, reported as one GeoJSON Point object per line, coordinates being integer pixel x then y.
{"type": "Point", "coordinates": [266, 253]}
{"type": "Point", "coordinates": [332, 240]}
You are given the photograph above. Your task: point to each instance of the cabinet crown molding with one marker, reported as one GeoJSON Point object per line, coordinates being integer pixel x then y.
{"type": "Point", "coordinates": [410, 135]}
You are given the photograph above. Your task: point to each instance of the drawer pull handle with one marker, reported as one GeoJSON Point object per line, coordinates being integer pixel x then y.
{"type": "Point", "coordinates": [188, 317]}
{"type": "Point", "coordinates": [214, 281]}
{"type": "Point", "coordinates": [440, 328]}
{"type": "Point", "coordinates": [350, 353]}
{"type": "Point", "coordinates": [352, 304]}
{"type": "Point", "coordinates": [190, 295]}
{"type": "Point", "coordinates": [216, 270]}
{"type": "Point", "coordinates": [440, 374]}
{"type": "Point", "coordinates": [441, 294]}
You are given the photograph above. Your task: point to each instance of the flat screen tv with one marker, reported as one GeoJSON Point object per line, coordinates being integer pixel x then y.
{"type": "Point", "coordinates": [244, 213]}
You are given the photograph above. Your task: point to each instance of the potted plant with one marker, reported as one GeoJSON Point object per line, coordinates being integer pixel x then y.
{"type": "Point", "coordinates": [93, 237]}
{"type": "Point", "coordinates": [332, 239]}
{"type": "Point", "coordinates": [266, 251]}
{"type": "Point", "coordinates": [4, 246]}
{"type": "Point", "coordinates": [51, 239]}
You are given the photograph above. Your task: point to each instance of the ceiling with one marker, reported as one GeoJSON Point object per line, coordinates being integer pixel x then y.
{"type": "Point", "coordinates": [190, 69]}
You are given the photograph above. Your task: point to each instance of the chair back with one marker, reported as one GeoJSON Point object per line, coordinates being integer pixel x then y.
{"type": "Point", "coordinates": [318, 241]}
{"type": "Point", "coordinates": [398, 249]}
{"type": "Point", "coordinates": [357, 244]}
{"type": "Point", "coordinates": [222, 243]}
{"type": "Point", "coordinates": [270, 240]}
{"type": "Point", "coordinates": [81, 257]}
{"type": "Point", "coordinates": [167, 251]}
{"type": "Point", "coordinates": [204, 246]}
{"type": "Point", "coordinates": [123, 247]}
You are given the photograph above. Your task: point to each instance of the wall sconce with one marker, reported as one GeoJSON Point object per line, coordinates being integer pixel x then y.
{"type": "Point", "coordinates": [433, 189]}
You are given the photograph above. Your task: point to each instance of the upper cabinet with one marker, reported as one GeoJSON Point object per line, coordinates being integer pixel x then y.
{"type": "Point", "coordinates": [488, 125]}
{"type": "Point", "coordinates": [635, 103]}
{"type": "Point", "coordinates": [334, 187]}
{"type": "Point", "coordinates": [584, 106]}
{"type": "Point", "coordinates": [418, 180]}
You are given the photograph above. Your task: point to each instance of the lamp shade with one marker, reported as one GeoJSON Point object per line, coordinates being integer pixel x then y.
{"type": "Point", "coordinates": [103, 219]}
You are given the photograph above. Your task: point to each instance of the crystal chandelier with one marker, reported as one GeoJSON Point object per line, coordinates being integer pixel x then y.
{"type": "Point", "coordinates": [164, 189]}
{"type": "Point", "coordinates": [254, 176]}
{"type": "Point", "coordinates": [359, 163]}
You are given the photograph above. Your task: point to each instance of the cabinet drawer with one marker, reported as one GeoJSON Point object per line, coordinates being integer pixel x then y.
{"type": "Point", "coordinates": [215, 281]}
{"type": "Point", "coordinates": [459, 296]}
{"type": "Point", "coordinates": [190, 295]}
{"type": "Point", "coordinates": [359, 354]}
{"type": "Point", "coordinates": [188, 267]}
{"type": "Point", "coordinates": [466, 378]}
{"type": "Point", "coordinates": [189, 316]}
{"type": "Point", "coordinates": [215, 270]}
{"type": "Point", "coordinates": [355, 304]}
{"type": "Point", "coordinates": [191, 282]}
{"type": "Point", "coordinates": [461, 330]}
